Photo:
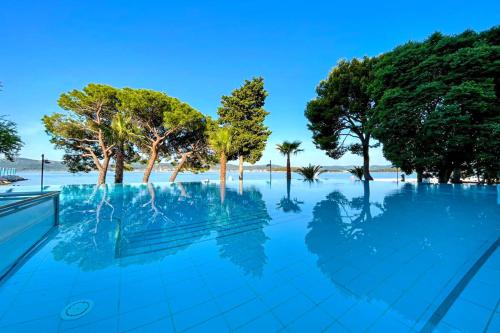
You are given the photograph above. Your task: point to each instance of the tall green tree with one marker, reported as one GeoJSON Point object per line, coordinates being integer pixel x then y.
{"type": "Point", "coordinates": [84, 132]}
{"type": "Point", "coordinates": [438, 105]}
{"type": "Point", "coordinates": [286, 149]}
{"type": "Point", "coordinates": [341, 111]}
{"type": "Point", "coordinates": [244, 111]}
{"type": "Point", "coordinates": [10, 141]}
{"type": "Point", "coordinates": [158, 116]}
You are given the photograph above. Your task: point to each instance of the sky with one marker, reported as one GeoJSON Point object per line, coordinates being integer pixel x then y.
{"type": "Point", "coordinates": [198, 51]}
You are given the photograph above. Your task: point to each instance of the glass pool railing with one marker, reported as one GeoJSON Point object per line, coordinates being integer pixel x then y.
{"type": "Point", "coordinates": [25, 221]}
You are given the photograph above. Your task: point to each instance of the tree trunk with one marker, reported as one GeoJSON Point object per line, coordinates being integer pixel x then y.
{"type": "Point", "coordinates": [178, 167]}
{"type": "Point", "coordinates": [119, 164]}
{"type": "Point", "coordinates": [151, 163]}
{"type": "Point", "coordinates": [420, 175]}
{"type": "Point", "coordinates": [222, 189]}
{"type": "Point", "coordinates": [101, 179]}
{"type": "Point", "coordinates": [119, 202]}
{"type": "Point", "coordinates": [288, 168]}
{"type": "Point", "coordinates": [443, 176]}
{"type": "Point", "coordinates": [240, 167]}
{"type": "Point", "coordinates": [366, 201]}
{"type": "Point", "coordinates": [222, 177]}
{"type": "Point", "coordinates": [455, 179]}
{"type": "Point", "coordinates": [152, 194]}
{"type": "Point", "coordinates": [103, 170]}
{"type": "Point", "coordinates": [182, 189]}
{"type": "Point", "coordinates": [366, 162]}
{"type": "Point", "coordinates": [288, 183]}
{"type": "Point", "coordinates": [223, 162]}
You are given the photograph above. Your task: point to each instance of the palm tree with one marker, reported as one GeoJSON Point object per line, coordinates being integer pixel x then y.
{"type": "Point", "coordinates": [357, 172]}
{"type": "Point", "coordinates": [220, 140]}
{"type": "Point", "coordinates": [124, 132]}
{"type": "Point", "coordinates": [286, 149]}
{"type": "Point", "coordinates": [310, 172]}
{"type": "Point", "coordinates": [287, 204]}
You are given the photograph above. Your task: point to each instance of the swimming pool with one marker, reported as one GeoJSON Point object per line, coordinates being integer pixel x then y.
{"type": "Point", "coordinates": [333, 256]}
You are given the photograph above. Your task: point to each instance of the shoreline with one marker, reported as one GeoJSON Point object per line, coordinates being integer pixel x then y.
{"type": "Point", "coordinates": [8, 180]}
{"type": "Point", "coordinates": [27, 178]}
{"type": "Point", "coordinates": [210, 170]}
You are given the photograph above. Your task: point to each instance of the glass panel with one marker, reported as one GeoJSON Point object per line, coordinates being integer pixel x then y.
{"type": "Point", "coordinates": [20, 230]}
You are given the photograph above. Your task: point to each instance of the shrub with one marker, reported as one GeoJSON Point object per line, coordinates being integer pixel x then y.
{"type": "Point", "coordinates": [357, 172]}
{"type": "Point", "coordinates": [310, 172]}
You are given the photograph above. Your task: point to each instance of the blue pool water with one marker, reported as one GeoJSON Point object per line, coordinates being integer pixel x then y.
{"type": "Point", "coordinates": [332, 256]}
{"type": "Point", "coordinates": [67, 178]}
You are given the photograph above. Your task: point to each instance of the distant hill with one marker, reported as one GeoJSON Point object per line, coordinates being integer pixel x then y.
{"type": "Point", "coordinates": [26, 164]}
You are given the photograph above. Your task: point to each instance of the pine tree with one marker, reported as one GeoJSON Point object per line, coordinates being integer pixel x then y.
{"type": "Point", "coordinates": [244, 111]}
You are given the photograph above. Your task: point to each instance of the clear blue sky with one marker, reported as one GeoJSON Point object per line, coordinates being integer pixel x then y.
{"type": "Point", "coordinates": [198, 51]}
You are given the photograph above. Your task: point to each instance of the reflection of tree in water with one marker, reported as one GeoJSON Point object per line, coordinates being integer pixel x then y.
{"type": "Point", "coordinates": [288, 205]}
{"type": "Point", "coordinates": [338, 222]}
{"type": "Point", "coordinates": [443, 212]}
{"type": "Point", "coordinates": [241, 236]}
{"type": "Point", "coordinates": [87, 231]}
{"type": "Point", "coordinates": [163, 220]}
{"type": "Point", "coordinates": [146, 223]}
{"type": "Point", "coordinates": [93, 217]}
{"type": "Point", "coordinates": [419, 228]}
{"type": "Point", "coordinates": [350, 215]}
{"type": "Point", "coordinates": [157, 207]}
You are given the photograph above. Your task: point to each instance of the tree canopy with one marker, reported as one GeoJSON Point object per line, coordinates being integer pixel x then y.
{"type": "Point", "coordinates": [103, 122]}
{"type": "Point", "coordinates": [341, 111]}
{"type": "Point", "coordinates": [287, 148]}
{"type": "Point", "coordinates": [85, 133]}
{"type": "Point", "coordinates": [159, 117]}
{"type": "Point", "coordinates": [10, 141]}
{"type": "Point", "coordinates": [438, 107]}
{"type": "Point", "coordinates": [189, 148]}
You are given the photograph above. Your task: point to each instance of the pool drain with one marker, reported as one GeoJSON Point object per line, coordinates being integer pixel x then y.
{"type": "Point", "coordinates": [76, 309]}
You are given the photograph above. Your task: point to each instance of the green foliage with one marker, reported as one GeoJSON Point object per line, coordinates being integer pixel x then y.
{"type": "Point", "coordinates": [437, 104]}
{"type": "Point", "coordinates": [342, 109]}
{"type": "Point", "coordinates": [85, 132]}
{"type": "Point", "coordinates": [288, 205]}
{"type": "Point", "coordinates": [124, 132]}
{"type": "Point", "coordinates": [123, 128]}
{"type": "Point", "coordinates": [310, 172]}
{"type": "Point", "coordinates": [244, 111]}
{"type": "Point", "coordinates": [167, 126]}
{"type": "Point", "coordinates": [192, 140]}
{"type": "Point", "coordinates": [288, 148]}
{"type": "Point", "coordinates": [10, 141]}
{"type": "Point", "coordinates": [156, 114]}
{"type": "Point", "coordinates": [103, 122]}
{"type": "Point", "coordinates": [220, 140]}
{"type": "Point", "coordinates": [357, 172]}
